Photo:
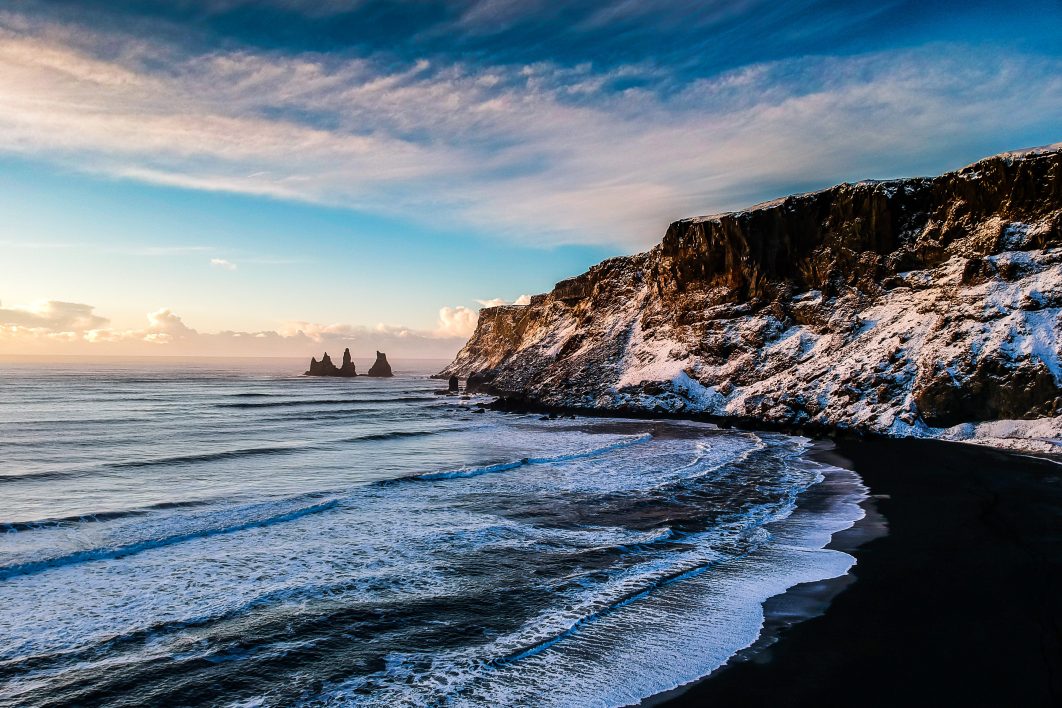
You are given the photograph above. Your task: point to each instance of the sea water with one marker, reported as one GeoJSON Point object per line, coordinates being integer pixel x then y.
{"type": "Point", "coordinates": [227, 532]}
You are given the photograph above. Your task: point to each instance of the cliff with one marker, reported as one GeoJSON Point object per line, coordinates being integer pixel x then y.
{"type": "Point", "coordinates": [925, 306]}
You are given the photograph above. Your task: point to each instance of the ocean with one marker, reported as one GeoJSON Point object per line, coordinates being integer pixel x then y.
{"type": "Point", "coordinates": [227, 532]}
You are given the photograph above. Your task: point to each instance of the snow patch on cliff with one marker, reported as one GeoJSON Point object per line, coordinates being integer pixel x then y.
{"type": "Point", "coordinates": [650, 359]}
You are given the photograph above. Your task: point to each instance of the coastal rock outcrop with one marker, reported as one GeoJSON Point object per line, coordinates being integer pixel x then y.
{"type": "Point", "coordinates": [924, 306]}
{"type": "Point", "coordinates": [348, 368]}
{"type": "Point", "coordinates": [325, 367]}
{"type": "Point", "coordinates": [380, 367]}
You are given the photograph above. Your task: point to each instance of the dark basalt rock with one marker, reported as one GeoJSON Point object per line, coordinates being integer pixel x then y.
{"type": "Point", "coordinates": [380, 367]}
{"type": "Point", "coordinates": [478, 383]}
{"type": "Point", "coordinates": [987, 390]}
{"type": "Point", "coordinates": [348, 368]}
{"type": "Point", "coordinates": [857, 234]}
{"type": "Point", "coordinates": [571, 290]}
{"type": "Point", "coordinates": [453, 384]}
{"type": "Point", "coordinates": [325, 367]}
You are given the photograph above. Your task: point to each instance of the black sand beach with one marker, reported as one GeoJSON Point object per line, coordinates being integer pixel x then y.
{"type": "Point", "coordinates": [959, 604]}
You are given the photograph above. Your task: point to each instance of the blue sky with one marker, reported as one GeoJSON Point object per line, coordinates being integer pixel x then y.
{"type": "Point", "coordinates": [226, 176]}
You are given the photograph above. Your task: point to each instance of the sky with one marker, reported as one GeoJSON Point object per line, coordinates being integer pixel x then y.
{"type": "Point", "coordinates": [281, 177]}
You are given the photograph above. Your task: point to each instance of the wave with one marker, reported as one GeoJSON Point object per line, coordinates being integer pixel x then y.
{"type": "Point", "coordinates": [754, 520]}
{"type": "Point", "coordinates": [400, 399]}
{"type": "Point", "coordinates": [270, 451]}
{"type": "Point", "coordinates": [39, 476]}
{"type": "Point", "coordinates": [280, 404]}
{"type": "Point", "coordinates": [325, 401]}
{"type": "Point", "coordinates": [98, 516]}
{"type": "Point", "coordinates": [617, 604]}
{"type": "Point", "coordinates": [319, 415]}
{"type": "Point", "coordinates": [111, 552]}
{"type": "Point", "coordinates": [505, 466]}
{"type": "Point", "coordinates": [67, 423]}
{"type": "Point", "coordinates": [396, 434]}
{"type": "Point", "coordinates": [20, 665]}
{"type": "Point", "coordinates": [210, 456]}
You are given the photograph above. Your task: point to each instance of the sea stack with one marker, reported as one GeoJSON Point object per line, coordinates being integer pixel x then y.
{"type": "Point", "coordinates": [325, 367]}
{"type": "Point", "coordinates": [453, 384]}
{"type": "Point", "coordinates": [348, 368]}
{"type": "Point", "coordinates": [380, 367]}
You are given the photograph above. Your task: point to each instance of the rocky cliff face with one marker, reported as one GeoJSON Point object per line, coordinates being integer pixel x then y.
{"type": "Point", "coordinates": [925, 306]}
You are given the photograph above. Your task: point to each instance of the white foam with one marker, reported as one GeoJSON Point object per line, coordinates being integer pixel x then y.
{"type": "Point", "coordinates": [679, 627]}
{"type": "Point", "coordinates": [675, 608]}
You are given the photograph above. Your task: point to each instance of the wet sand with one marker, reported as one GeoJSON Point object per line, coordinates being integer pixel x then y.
{"type": "Point", "coordinates": [960, 603]}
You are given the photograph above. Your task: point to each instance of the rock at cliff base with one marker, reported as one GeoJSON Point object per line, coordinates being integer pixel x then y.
{"type": "Point", "coordinates": [380, 367]}
{"type": "Point", "coordinates": [453, 384]}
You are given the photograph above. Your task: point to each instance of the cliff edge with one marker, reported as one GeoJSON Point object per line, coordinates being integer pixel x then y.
{"type": "Point", "coordinates": [924, 306]}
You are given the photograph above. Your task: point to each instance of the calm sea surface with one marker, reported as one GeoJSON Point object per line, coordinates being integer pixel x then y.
{"type": "Point", "coordinates": [225, 532]}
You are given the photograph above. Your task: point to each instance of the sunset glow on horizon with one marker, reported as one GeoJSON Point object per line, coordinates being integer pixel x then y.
{"type": "Point", "coordinates": [215, 178]}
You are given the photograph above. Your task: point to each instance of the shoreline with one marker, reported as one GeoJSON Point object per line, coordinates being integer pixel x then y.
{"type": "Point", "coordinates": [802, 601]}
{"type": "Point", "coordinates": [813, 430]}
{"type": "Point", "coordinates": [960, 603]}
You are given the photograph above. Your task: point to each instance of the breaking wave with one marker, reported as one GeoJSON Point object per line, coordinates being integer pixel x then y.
{"type": "Point", "coordinates": [126, 549]}
{"type": "Point", "coordinates": [505, 466]}
{"type": "Point", "coordinates": [325, 402]}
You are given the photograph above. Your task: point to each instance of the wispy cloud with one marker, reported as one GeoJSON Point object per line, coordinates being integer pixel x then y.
{"type": "Point", "coordinates": [542, 152]}
{"type": "Point", "coordinates": [222, 263]}
{"type": "Point", "coordinates": [164, 250]}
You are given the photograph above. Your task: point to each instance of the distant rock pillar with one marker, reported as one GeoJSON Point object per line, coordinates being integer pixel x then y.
{"type": "Point", "coordinates": [348, 368]}
{"type": "Point", "coordinates": [380, 367]}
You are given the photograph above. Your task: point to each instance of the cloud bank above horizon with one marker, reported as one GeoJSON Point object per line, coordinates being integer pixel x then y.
{"type": "Point", "coordinates": [56, 328]}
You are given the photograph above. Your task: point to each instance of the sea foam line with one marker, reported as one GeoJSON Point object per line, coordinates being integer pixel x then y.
{"type": "Point", "coordinates": [326, 401]}
{"type": "Point", "coordinates": [505, 466]}
{"type": "Point", "coordinates": [94, 554]}
{"type": "Point", "coordinates": [754, 519]}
